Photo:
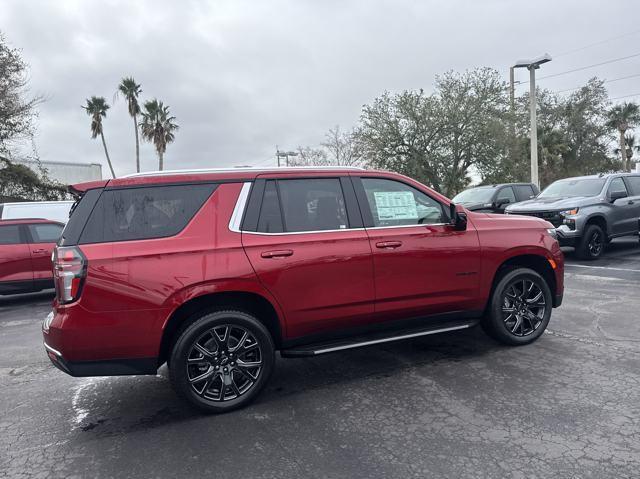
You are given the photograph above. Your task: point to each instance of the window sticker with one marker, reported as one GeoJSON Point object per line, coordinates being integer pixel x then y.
{"type": "Point", "coordinates": [395, 205]}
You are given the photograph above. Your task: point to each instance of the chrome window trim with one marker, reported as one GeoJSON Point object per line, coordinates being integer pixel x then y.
{"type": "Point", "coordinates": [238, 210]}
{"type": "Point", "coordinates": [235, 221]}
{"type": "Point", "coordinates": [302, 232]}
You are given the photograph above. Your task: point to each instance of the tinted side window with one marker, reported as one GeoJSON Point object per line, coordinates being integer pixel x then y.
{"type": "Point", "coordinates": [10, 234]}
{"type": "Point", "coordinates": [313, 204]}
{"type": "Point", "coordinates": [45, 233]}
{"type": "Point", "coordinates": [144, 213]}
{"type": "Point", "coordinates": [524, 192]}
{"type": "Point", "coordinates": [270, 219]}
{"type": "Point", "coordinates": [617, 185]}
{"type": "Point", "coordinates": [634, 184]}
{"type": "Point", "coordinates": [78, 217]}
{"type": "Point", "coordinates": [506, 193]}
{"type": "Point", "coordinates": [394, 203]}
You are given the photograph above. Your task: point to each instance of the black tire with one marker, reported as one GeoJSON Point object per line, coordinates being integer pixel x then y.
{"type": "Point", "coordinates": [592, 244]}
{"type": "Point", "coordinates": [502, 325]}
{"type": "Point", "coordinates": [225, 384]}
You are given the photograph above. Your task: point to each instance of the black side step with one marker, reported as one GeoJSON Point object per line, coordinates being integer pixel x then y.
{"type": "Point", "coordinates": [316, 349]}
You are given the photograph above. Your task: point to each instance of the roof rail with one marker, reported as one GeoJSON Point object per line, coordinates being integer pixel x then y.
{"type": "Point", "coordinates": [239, 168]}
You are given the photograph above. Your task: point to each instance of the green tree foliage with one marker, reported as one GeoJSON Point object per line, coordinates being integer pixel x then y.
{"type": "Point", "coordinates": [439, 138]}
{"type": "Point", "coordinates": [573, 137]}
{"type": "Point", "coordinates": [622, 118]}
{"type": "Point", "coordinates": [19, 182]}
{"type": "Point", "coordinates": [96, 108]}
{"type": "Point", "coordinates": [158, 127]}
{"type": "Point", "coordinates": [465, 128]}
{"type": "Point", "coordinates": [17, 110]}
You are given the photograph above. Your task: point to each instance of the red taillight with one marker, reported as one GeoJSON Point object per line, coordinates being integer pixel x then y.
{"type": "Point", "coordinates": [69, 271]}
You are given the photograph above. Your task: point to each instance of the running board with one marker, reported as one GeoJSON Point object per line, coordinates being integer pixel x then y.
{"type": "Point", "coordinates": [369, 340]}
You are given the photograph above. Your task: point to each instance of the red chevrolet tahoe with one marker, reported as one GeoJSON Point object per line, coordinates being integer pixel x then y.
{"type": "Point", "coordinates": [212, 271]}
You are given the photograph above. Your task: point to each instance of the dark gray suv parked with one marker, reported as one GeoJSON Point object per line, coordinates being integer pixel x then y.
{"type": "Point", "coordinates": [588, 211]}
{"type": "Point", "coordinates": [495, 198]}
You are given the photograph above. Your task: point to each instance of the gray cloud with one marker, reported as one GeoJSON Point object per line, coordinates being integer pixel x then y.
{"type": "Point", "coordinates": [243, 76]}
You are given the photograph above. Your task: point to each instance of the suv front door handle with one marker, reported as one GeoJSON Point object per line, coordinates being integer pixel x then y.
{"type": "Point", "coordinates": [277, 253]}
{"type": "Point", "coordinates": [389, 244]}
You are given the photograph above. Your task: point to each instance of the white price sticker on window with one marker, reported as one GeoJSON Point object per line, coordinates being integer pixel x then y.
{"type": "Point", "coordinates": [395, 205]}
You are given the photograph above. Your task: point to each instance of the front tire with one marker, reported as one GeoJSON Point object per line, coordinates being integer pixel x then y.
{"type": "Point", "coordinates": [520, 307]}
{"type": "Point", "coordinates": [222, 361]}
{"type": "Point", "coordinates": [592, 244]}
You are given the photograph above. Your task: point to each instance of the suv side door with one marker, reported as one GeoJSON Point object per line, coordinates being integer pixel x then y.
{"type": "Point", "coordinates": [42, 239]}
{"type": "Point", "coordinates": [506, 195]}
{"type": "Point", "coordinates": [305, 240]}
{"type": "Point", "coordinates": [524, 192]}
{"type": "Point", "coordinates": [633, 187]}
{"type": "Point", "coordinates": [621, 217]}
{"type": "Point", "coordinates": [422, 265]}
{"type": "Point", "coordinates": [15, 259]}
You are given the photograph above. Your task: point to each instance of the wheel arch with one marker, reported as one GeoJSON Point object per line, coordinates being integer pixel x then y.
{"type": "Point", "coordinates": [597, 219]}
{"type": "Point", "coordinates": [538, 263]}
{"type": "Point", "coordinates": [249, 302]}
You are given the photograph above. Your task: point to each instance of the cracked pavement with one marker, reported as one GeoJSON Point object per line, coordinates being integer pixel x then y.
{"type": "Point", "coordinates": [453, 405]}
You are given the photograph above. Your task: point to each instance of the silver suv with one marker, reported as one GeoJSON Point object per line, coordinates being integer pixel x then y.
{"type": "Point", "coordinates": [588, 211]}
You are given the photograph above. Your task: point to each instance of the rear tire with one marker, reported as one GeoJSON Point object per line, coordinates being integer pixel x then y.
{"type": "Point", "coordinates": [520, 307]}
{"type": "Point", "coordinates": [222, 361]}
{"type": "Point", "coordinates": [592, 244]}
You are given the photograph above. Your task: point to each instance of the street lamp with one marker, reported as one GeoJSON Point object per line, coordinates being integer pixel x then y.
{"type": "Point", "coordinates": [532, 66]}
{"type": "Point", "coordinates": [285, 155]}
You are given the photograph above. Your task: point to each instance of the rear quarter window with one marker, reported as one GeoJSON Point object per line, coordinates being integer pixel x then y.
{"type": "Point", "coordinates": [10, 234]}
{"type": "Point", "coordinates": [144, 212]}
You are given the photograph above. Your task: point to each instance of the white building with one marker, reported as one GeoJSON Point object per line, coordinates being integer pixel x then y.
{"type": "Point", "coordinates": [66, 172]}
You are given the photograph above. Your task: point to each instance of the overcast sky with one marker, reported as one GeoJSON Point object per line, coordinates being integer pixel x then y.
{"type": "Point", "coordinates": [243, 76]}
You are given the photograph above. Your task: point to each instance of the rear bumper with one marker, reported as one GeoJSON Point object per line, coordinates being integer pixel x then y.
{"type": "Point", "coordinates": [112, 367]}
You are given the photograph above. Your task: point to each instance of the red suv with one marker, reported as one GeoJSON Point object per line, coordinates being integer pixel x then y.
{"type": "Point", "coordinates": [213, 271]}
{"type": "Point", "coordinates": [25, 254]}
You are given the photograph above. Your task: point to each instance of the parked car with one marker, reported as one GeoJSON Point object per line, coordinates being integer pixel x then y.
{"type": "Point", "coordinates": [588, 211]}
{"type": "Point", "coordinates": [213, 271]}
{"type": "Point", "coordinates": [25, 254]}
{"type": "Point", "coordinates": [50, 210]}
{"type": "Point", "coordinates": [495, 198]}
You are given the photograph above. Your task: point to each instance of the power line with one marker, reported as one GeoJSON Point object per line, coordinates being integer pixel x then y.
{"type": "Point", "coordinates": [624, 96]}
{"type": "Point", "coordinates": [590, 66]}
{"type": "Point", "coordinates": [600, 42]}
{"type": "Point", "coordinates": [605, 81]}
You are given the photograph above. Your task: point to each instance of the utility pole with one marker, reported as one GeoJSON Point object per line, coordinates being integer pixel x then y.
{"type": "Point", "coordinates": [534, 125]}
{"type": "Point", "coordinates": [532, 66]}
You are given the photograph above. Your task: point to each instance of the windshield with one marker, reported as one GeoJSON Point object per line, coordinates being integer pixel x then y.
{"type": "Point", "coordinates": [586, 187]}
{"type": "Point", "coordinates": [474, 195]}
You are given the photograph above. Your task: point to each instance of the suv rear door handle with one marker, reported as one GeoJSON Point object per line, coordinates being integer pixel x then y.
{"type": "Point", "coordinates": [389, 244]}
{"type": "Point", "coordinates": [630, 202]}
{"type": "Point", "coordinates": [39, 250]}
{"type": "Point", "coordinates": [277, 253]}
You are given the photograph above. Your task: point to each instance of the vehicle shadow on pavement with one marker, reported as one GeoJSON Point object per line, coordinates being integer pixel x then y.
{"type": "Point", "coordinates": [125, 404]}
{"type": "Point", "coordinates": [22, 299]}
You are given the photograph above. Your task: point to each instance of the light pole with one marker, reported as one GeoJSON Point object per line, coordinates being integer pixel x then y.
{"type": "Point", "coordinates": [532, 66]}
{"type": "Point", "coordinates": [285, 155]}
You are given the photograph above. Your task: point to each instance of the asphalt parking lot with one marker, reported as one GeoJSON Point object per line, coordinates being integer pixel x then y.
{"type": "Point", "coordinates": [455, 405]}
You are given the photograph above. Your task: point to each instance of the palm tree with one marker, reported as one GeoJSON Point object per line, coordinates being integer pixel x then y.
{"type": "Point", "coordinates": [622, 117]}
{"type": "Point", "coordinates": [158, 127]}
{"type": "Point", "coordinates": [130, 90]}
{"type": "Point", "coordinates": [97, 108]}
{"type": "Point", "coordinates": [629, 147]}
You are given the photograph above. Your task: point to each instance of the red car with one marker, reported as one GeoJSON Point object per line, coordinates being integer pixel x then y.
{"type": "Point", "coordinates": [25, 254]}
{"type": "Point", "coordinates": [213, 271]}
